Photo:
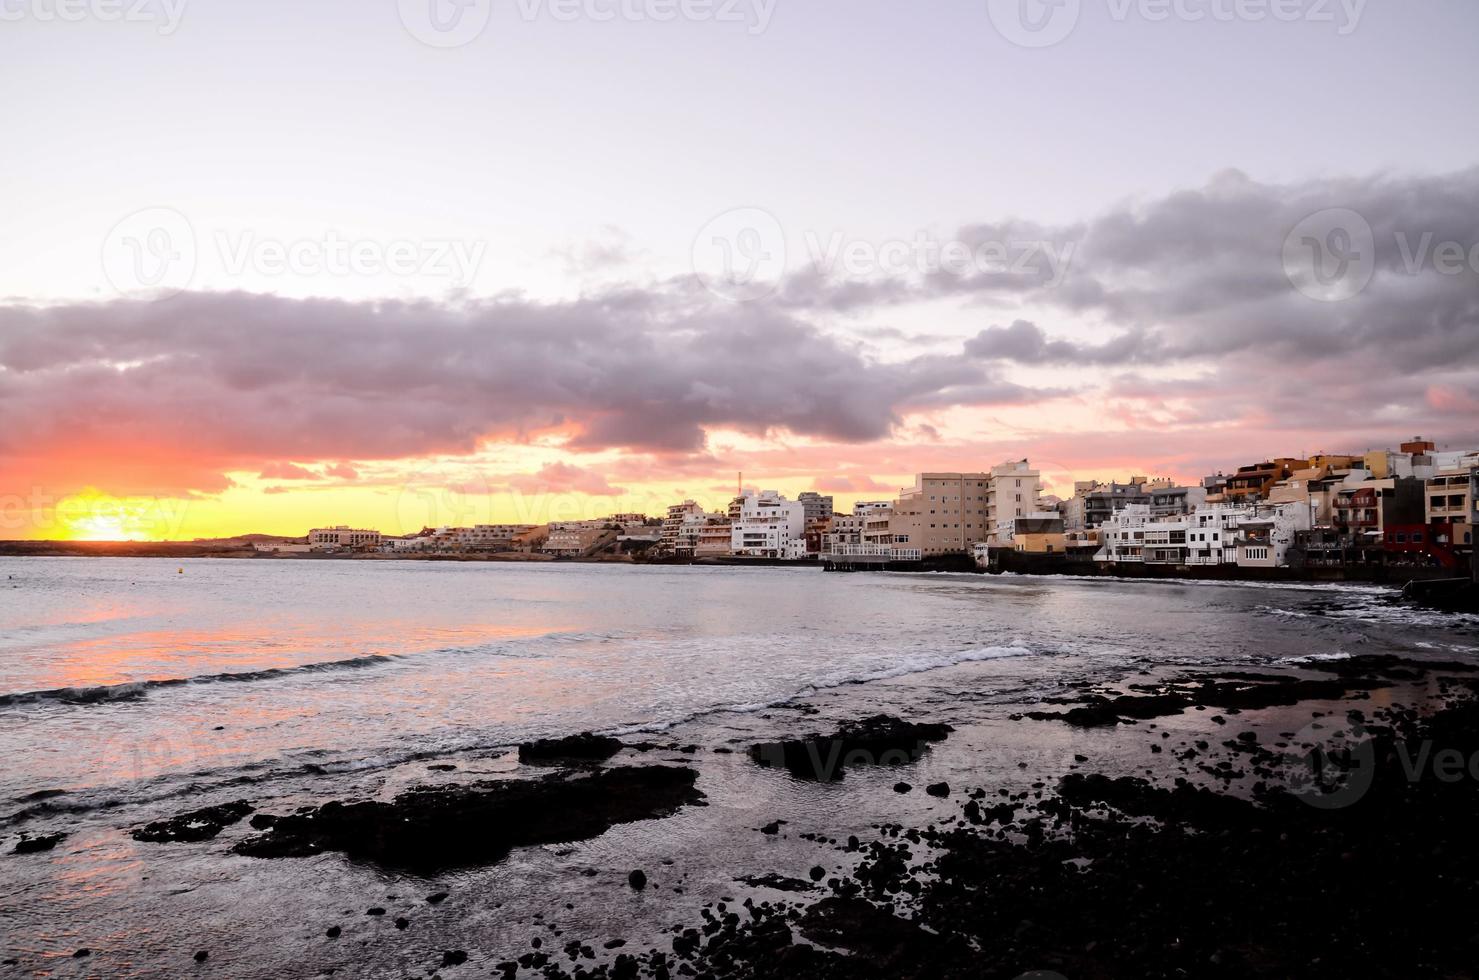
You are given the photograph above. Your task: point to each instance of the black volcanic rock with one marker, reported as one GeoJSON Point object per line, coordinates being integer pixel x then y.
{"type": "Point", "coordinates": [428, 829]}
{"type": "Point", "coordinates": [197, 825]}
{"type": "Point", "coordinates": [879, 740]}
{"type": "Point", "coordinates": [584, 747]}
{"type": "Point", "coordinates": [35, 845]}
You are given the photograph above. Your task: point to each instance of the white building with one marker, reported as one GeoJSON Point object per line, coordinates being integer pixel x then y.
{"type": "Point", "coordinates": [1214, 534]}
{"type": "Point", "coordinates": [769, 526]}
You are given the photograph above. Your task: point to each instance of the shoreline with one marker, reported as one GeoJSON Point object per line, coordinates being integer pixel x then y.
{"type": "Point", "coordinates": [1007, 844]}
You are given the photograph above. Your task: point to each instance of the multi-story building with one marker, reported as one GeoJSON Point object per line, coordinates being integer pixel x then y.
{"type": "Point", "coordinates": [1124, 534]}
{"type": "Point", "coordinates": [1213, 534]}
{"type": "Point", "coordinates": [845, 529]}
{"type": "Point", "coordinates": [1474, 518]}
{"type": "Point", "coordinates": [681, 527]}
{"type": "Point", "coordinates": [942, 514]}
{"type": "Point", "coordinates": [1093, 504]}
{"type": "Point", "coordinates": [1168, 501]}
{"type": "Point", "coordinates": [1252, 483]}
{"type": "Point", "coordinates": [817, 507]}
{"type": "Point", "coordinates": [1448, 499]}
{"type": "Point", "coordinates": [579, 539]}
{"type": "Point", "coordinates": [1363, 510]}
{"type": "Point", "coordinates": [715, 538]}
{"type": "Point", "coordinates": [343, 537]}
{"type": "Point", "coordinates": [769, 526]}
{"type": "Point", "coordinates": [482, 537]}
{"type": "Point", "coordinates": [949, 513]}
{"type": "Point", "coordinates": [1012, 492]}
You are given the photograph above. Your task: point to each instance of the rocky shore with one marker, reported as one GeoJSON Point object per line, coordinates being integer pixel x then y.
{"type": "Point", "coordinates": [1310, 820]}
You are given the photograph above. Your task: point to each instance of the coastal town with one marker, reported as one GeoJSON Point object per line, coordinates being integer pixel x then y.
{"type": "Point", "coordinates": [1411, 510]}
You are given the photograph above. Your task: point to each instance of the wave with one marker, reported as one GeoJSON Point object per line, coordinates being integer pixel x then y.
{"type": "Point", "coordinates": [137, 690]}
{"type": "Point", "coordinates": [918, 665]}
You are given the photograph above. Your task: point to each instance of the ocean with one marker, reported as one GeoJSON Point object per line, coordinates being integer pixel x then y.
{"type": "Point", "coordinates": [135, 689]}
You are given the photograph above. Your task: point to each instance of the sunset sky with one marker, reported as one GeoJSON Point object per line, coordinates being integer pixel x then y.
{"type": "Point", "coordinates": [268, 266]}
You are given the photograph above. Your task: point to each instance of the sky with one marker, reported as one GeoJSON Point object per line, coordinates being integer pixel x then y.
{"type": "Point", "coordinates": [398, 263]}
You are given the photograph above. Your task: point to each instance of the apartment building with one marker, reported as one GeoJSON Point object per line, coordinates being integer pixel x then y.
{"type": "Point", "coordinates": [1093, 504]}
{"type": "Point", "coordinates": [1252, 483]}
{"type": "Point", "coordinates": [715, 538]}
{"type": "Point", "coordinates": [483, 537]}
{"type": "Point", "coordinates": [1213, 534]}
{"type": "Point", "coordinates": [942, 514]}
{"type": "Point", "coordinates": [1365, 509]}
{"type": "Point", "coordinates": [1167, 500]}
{"type": "Point", "coordinates": [343, 537]}
{"type": "Point", "coordinates": [817, 507]}
{"type": "Point", "coordinates": [1013, 491]}
{"type": "Point", "coordinates": [769, 526]}
{"type": "Point", "coordinates": [680, 528]}
{"type": "Point", "coordinates": [579, 539]}
{"type": "Point", "coordinates": [1449, 499]}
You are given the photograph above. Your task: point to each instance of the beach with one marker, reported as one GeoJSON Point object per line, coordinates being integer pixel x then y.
{"type": "Point", "coordinates": [218, 748]}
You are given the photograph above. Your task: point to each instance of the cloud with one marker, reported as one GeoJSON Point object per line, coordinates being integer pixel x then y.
{"type": "Point", "coordinates": [1200, 274]}
{"type": "Point", "coordinates": [854, 483]}
{"type": "Point", "coordinates": [287, 471]}
{"type": "Point", "coordinates": [1174, 317]}
{"type": "Point", "coordinates": [564, 478]}
{"type": "Point", "coordinates": [1025, 343]}
{"type": "Point", "coordinates": [228, 381]}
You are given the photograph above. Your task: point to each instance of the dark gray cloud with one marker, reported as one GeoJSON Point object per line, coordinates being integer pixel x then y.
{"type": "Point", "coordinates": [232, 380]}
{"type": "Point", "coordinates": [1026, 343]}
{"type": "Point", "coordinates": [1200, 274]}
